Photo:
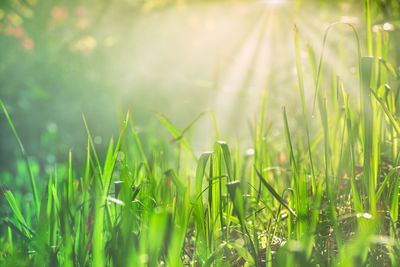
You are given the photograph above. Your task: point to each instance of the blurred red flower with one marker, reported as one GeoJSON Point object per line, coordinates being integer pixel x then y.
{"type": "Point", "coordinates": [59, 12]}
{"type": "Point", "coordinates": [81, 11]}
{"type": "Point", "coordinates": [18, 32]}
{"type": "Point", "coordinates": [27, 43]}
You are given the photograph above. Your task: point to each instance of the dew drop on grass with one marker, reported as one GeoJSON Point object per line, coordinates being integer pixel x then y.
{"type": "Point", "coordinates": [388, 27]}
{"type": "Point", "coordinates": [367, 216]}
{"type": "Point", "coordinates": [364, 215]}
{"type": "Point", "coordinates": [250, 152]}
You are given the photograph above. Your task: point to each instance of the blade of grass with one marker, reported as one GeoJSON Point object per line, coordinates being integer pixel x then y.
{"type": "Point", "coordinates": [28, 164]}
{"type": "Point", "coordinates": [176, 134]}
{"type": "Point", "coordinates": [17, 213]}
{"type": "Point", "coordinates": [275, 194]}
{"type": "Point", "coordinates": [237, 200]}
{"type": "Point", "coordinates": [391, 118]}
{"type": "Point", "coordinates": [303, 102]}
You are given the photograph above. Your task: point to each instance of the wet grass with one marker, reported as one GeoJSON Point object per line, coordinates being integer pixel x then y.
{"type": "Point", "coordinates": [330, 199]}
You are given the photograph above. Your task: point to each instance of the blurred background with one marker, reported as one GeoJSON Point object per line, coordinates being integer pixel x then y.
{"type": "Point", "coordinates": [61, 59]}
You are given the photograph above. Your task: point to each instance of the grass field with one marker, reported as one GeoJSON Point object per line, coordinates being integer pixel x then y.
{"type": "Point", "coordinates": [328, 199]}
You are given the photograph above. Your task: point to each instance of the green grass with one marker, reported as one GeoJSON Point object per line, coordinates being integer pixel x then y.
{"type": "Point", "coordinates": [331, 199]}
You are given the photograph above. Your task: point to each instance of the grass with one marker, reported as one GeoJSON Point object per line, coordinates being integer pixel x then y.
{"type": "Point", "coordinates": [331, 199]}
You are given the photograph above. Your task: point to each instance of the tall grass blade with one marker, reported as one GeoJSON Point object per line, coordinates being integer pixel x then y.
{"type": "Point", "coordinates": [28, 164]}
{"type": "Point", "coordinates": [275, 194]}
{"type": "Point", "coordinates": [176, 134]}
{"type": "Point", "coordinates": [17, 213]}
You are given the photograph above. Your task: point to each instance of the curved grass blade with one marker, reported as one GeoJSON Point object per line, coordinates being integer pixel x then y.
{"type": "Point", "coordinates": [385, 181]}
{"type": "Point", "coordinates": [324, 44]}
{"type": "Point", "coordinates": [176, 134]}
{"type": "Point", "coordinates": [200, 223]}
{"type": "Point", "coordinates": [201, 167]}
{"type": "Point", "coordinates": [275, 194]}
{"type": "Point", "coordinates": [390, 68]}
{"type": "Point", "coordinates": [187, 128]}
{"type": "Point", "coordinates": [25, 156]}
{"type": "Point", "coordinates": [92, 146]}
{"type": "Point", "coordinates": [139, 145]}
{"type": "Point", "coordinates": [227, 158]}
{"type": "Point", "coordinates": [387, 112]}
{"type": "Point", "coordinates": [18, 215]}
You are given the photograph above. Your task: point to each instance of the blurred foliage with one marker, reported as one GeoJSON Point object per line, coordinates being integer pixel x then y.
{"type": "Point", "coordinates": [53, 68]}
{"type": "Point", "coordinates": [48, 68]}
